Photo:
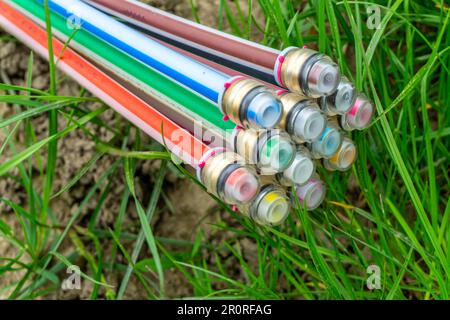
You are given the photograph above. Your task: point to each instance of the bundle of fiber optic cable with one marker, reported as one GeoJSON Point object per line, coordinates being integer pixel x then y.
{"type": "Point", "coordinates": [252, 121]}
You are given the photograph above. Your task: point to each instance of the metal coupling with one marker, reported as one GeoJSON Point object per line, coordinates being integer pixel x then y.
{"type": "Point", "coordinates": [301, 117]}
{"type": "Point", "coordinates": [272, 151]}
{"type": "Point", "coordinates": [225, 175]}
{"type": "Point", "coordinates": [307, 71]}
{"type": "Point", "coordinates": [250, 104]}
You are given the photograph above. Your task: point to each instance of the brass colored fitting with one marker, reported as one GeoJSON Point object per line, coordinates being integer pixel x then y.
{"type": "Point", "coordinates": [289, 101]}
{"type": "Point", "coordinates": [301, 118]}
{"type": "Point", "coordinates": [308, 72]}
{"type": "Point", "coordinates": [225, 175]}
{"type": "Point", "coordinates": [292, 68]}
{"type": "Point", "coordinates": [246, 143]}
{"type": "Point", "coordinates": [214, 166]}
{"type": "Point", "coordinates": [271, 151]}
{"type": "Point", "coordinates": [250, 104]}
{"type": "Point", "coordinates": [233, 98]}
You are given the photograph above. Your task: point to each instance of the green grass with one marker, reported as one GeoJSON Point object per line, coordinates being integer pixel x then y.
{"type": "Point", "coordinates": [391, 210]}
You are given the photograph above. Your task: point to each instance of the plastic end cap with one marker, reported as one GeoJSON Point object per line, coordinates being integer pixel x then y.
{"type": "Point", "coordinates": [264, 111]}
{"type": "Point", "coordinates": [347, 155]}
{"type": "Point", "coordinates": [345, 97]}
{"type": "Point", "coordinates": [241, 186]}
{"type": "Point", "coordinates": [302, 170]}
{"type": "Point", "coordinates": [330, 143]}
{"type": "Point", "coordinates": [273, 208]}
{"type": "Point", "coordinates": [324, 77]}
{"type": "Point", "coordinates": [277, 153]}
{"type": "Point", "coordinates": [310, 124]}
{"type": "Point", "coordinates": [312, 194]}
{"type": "Point", "coordinates": [361, 114]}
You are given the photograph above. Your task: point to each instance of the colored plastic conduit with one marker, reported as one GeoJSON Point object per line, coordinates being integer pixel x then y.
{"type": "Point", "coordinates": [237, 184]}
{"type": "Point", "coordinates": [151, 79]}
{"type": "Point", "coordinates": [208, 39]}
{"type": "Point", "coordinates": [298, 69]}
{"type": "Point", "coordinates": [262, 110]}
{"type": "Point", "coordinates": [134, 109]}
{"type": "Point", "coordinates": [298, 115]}
{"type": "Point", "coordinates": [122, 61]}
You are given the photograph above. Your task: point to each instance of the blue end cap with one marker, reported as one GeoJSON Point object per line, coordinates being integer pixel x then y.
{"type": "Point", "coordinates": [264, 111]}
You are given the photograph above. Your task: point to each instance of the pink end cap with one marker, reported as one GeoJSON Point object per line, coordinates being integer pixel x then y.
{"type": "Point", "coordinates": [281, 60]}
{"type": "Point", "coordinates": [355, 108]}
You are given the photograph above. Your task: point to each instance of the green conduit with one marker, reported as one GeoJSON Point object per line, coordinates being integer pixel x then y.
{"type": "Point", "coordinates": [134, 68]}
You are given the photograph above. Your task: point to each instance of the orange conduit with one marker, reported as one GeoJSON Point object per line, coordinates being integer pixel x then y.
{"type": "Point", "coordinates": [179, 141]}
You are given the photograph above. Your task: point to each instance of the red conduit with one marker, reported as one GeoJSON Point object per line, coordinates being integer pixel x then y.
{"type": "Point", "coordinates": [219, 41]}
{"type": "Point", "coordinates": [215, 65]}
